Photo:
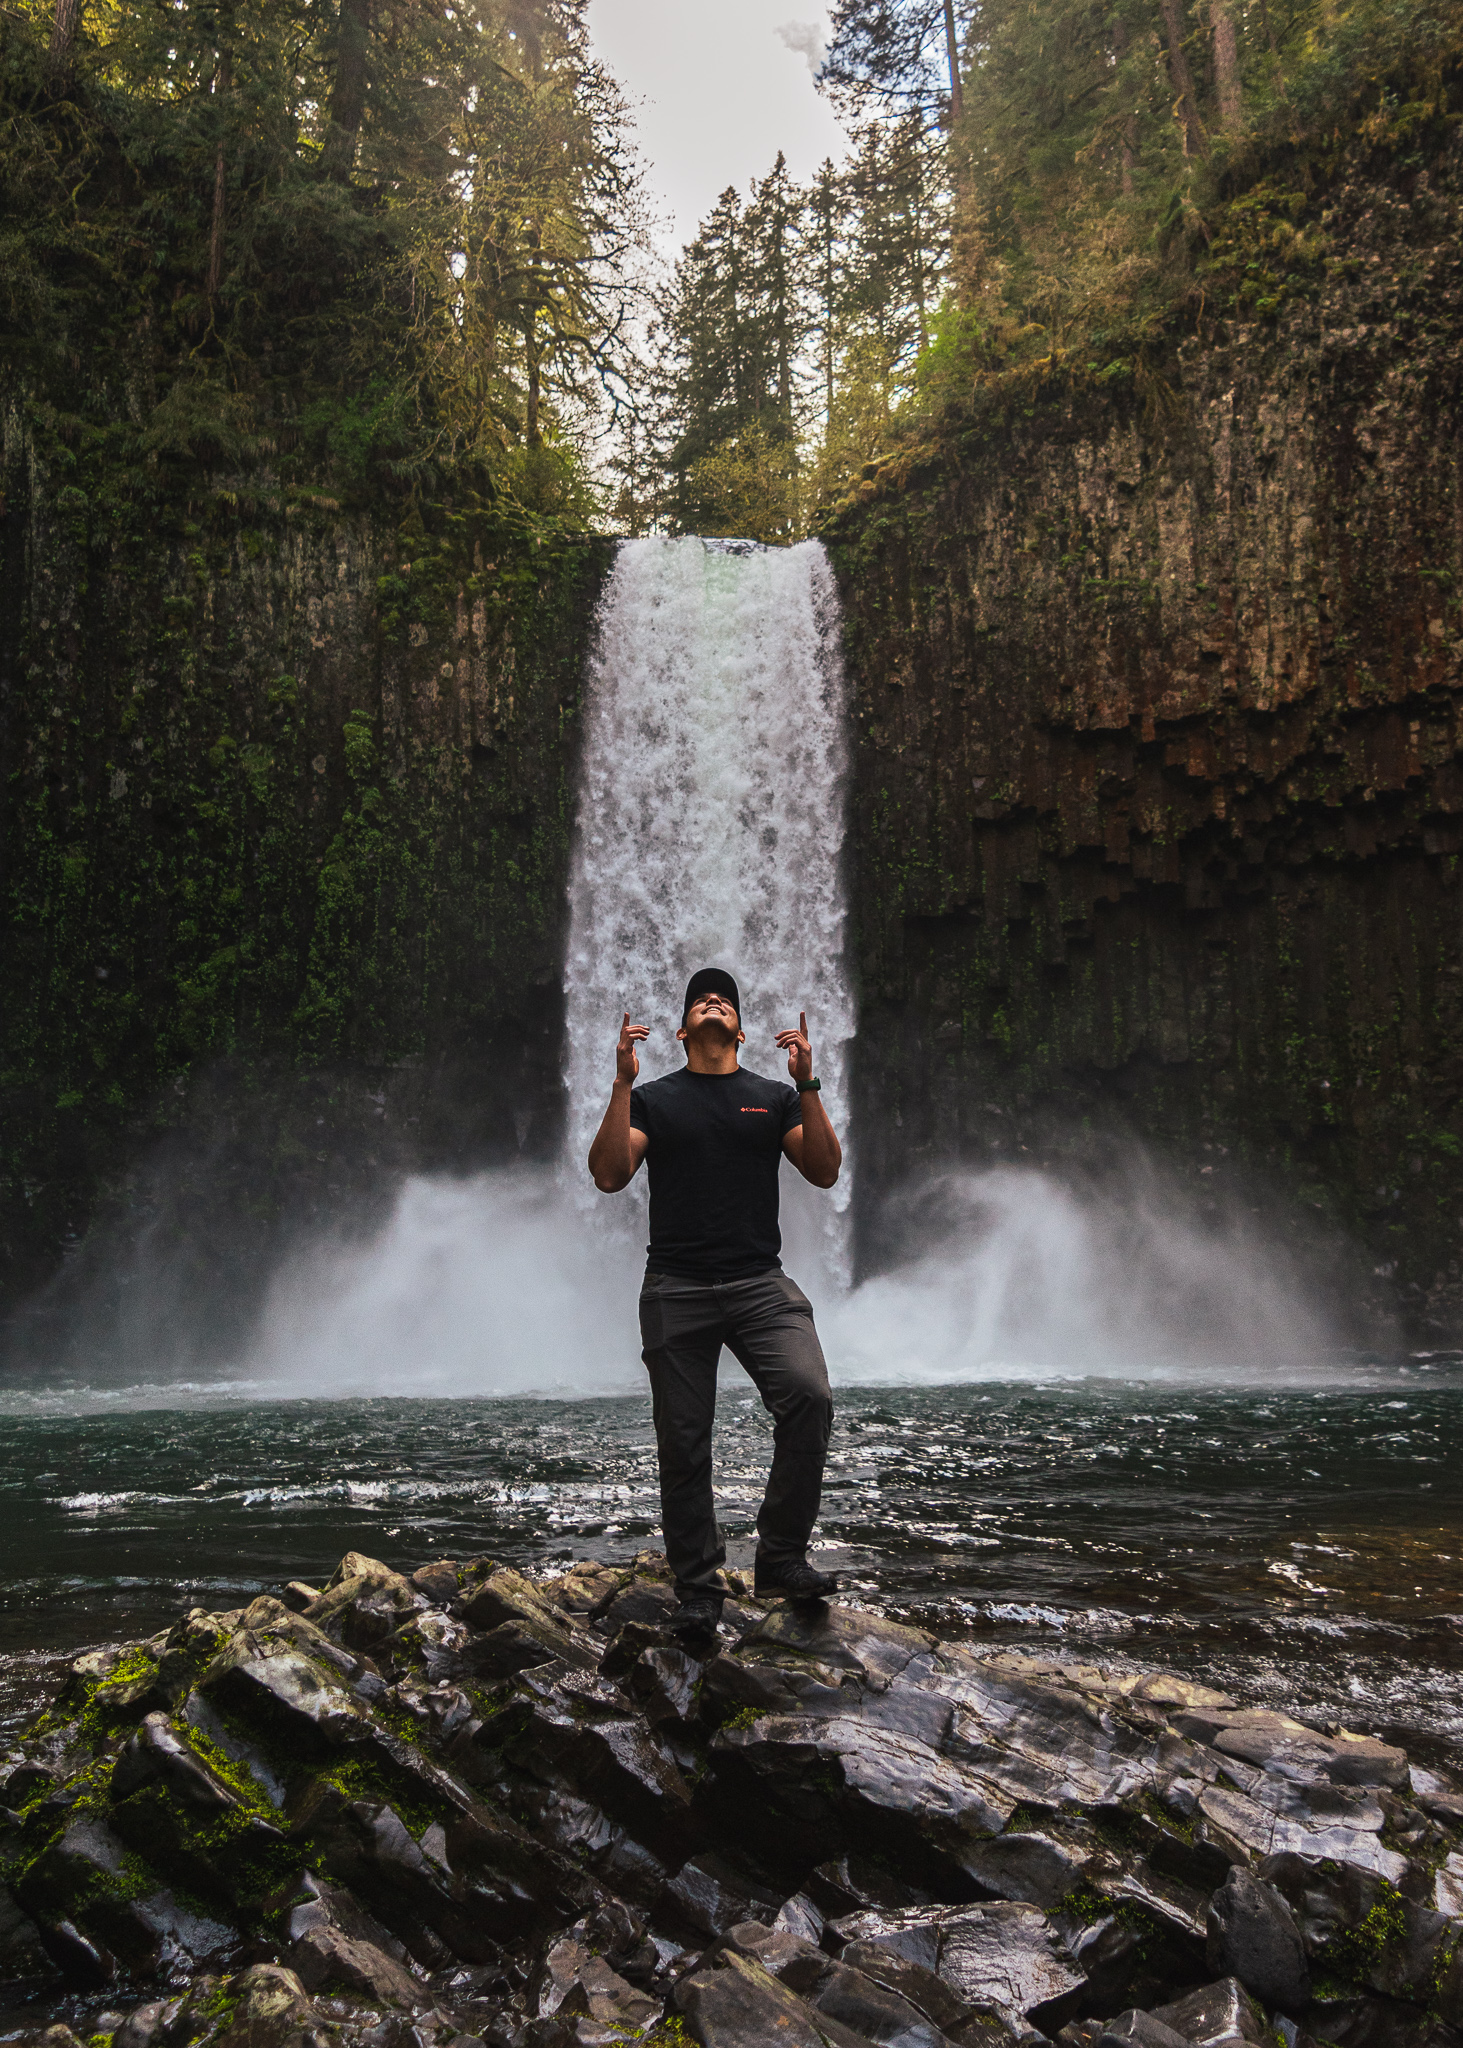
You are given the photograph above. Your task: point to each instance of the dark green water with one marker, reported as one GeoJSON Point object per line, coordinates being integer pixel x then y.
{"type": "Point", "coordinates": [1301, 1543]}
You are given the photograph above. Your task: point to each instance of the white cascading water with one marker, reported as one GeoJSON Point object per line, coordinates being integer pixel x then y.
{"type": "Point", "coordinates": [710, 834]}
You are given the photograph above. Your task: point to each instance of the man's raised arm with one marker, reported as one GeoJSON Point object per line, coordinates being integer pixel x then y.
{"type": "Point", "coordinates": [813, 1146]}
{"type": "Point", "coordinates": [618, 1147]}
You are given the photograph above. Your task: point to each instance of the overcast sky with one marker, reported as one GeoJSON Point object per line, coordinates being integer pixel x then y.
{"type": "Point", "coordinates": [716, 92]}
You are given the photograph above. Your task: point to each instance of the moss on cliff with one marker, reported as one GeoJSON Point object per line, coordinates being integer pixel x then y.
{"type": "Point", "coordinates": [286, 830]}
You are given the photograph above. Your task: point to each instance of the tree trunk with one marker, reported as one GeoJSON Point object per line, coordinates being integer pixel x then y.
{"type": "Point", "coordinates": [1186, 107]}
{"type": "Point", "coordinates": [63, 37]}
{"type": "Point", "coordinates": [348, 90]}
{"type": "Point", "coordinates": [919, 279]}
{"type": "Point", "coordinates": [952, 51]}
{"type": "Point", "coordinates": [828, 316]}
{"type": "Point", "coordinates": [1274, 48]}
{"type": "Point", "coordinates": [782, 314]}
{"type": "Point", "coordinates": [532, 433]}
{"type": "Point", "coordinates": [1226, 67]}
{"type": "Point", "coordinates": [1130, 126]}
{"type": "Point", "coordinates": [220, 192]}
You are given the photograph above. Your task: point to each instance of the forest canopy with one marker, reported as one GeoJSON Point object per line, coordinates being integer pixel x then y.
{"type": "Point", "coordinates": [376, 244]}
{"type": "Point", "coordinates": [1033, 187]}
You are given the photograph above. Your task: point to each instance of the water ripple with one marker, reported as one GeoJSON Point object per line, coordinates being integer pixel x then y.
{"type": "Point", "coordinates": [1284, 1542]}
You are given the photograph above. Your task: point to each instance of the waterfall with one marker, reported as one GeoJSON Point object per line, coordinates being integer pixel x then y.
{"type": "Point", "coordinates": [710, 834]}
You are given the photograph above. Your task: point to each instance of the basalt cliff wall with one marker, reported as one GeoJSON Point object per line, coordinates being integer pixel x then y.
{"type": "Point", "coordinates": [1157, 808]}
{"type": "Point", "coordinates": [1158, 801]}
{"type": "Point", "coordinates": [288, 796]}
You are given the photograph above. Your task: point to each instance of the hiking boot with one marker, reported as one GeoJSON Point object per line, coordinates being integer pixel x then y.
{"type": "Point", "coordinates": [695, 1621]}
{"type": "Point", "coordinates": [797, 1579]}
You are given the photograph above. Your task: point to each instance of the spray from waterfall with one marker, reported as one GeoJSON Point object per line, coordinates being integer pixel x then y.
{"type": "Point", "coordinates": [709, 832]}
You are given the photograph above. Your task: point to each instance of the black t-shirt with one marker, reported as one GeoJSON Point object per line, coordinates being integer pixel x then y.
{"type": "Point", "coordinates": [715, 1147]}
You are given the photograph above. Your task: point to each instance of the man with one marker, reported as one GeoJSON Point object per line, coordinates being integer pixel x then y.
{"type": "Point", "coordinates": [715, 1136]}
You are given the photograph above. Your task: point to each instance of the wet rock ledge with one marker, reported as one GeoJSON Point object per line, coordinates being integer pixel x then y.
{"type": "Point", "coordinates": [466, 1808]}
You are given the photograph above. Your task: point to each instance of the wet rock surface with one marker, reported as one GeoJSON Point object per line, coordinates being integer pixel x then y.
{"type": "Point", "coordinates": [465, 1807]}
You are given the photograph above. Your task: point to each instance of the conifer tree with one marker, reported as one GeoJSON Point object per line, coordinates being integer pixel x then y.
{"type": "Point", "coordinates": [771, 234]}
{"type": "Point", "coordinates": [413, 222]}
{"type": "Point", "coordinates": [347, 103]}
{"type": "Point", "coordinates": [897, 233]}
{"type": "Point", "coordinates": [896, 56]}
{"type": "Point", "coordinates": [730, 334]}
{"type": "Point", "coordinates": [823, 269]}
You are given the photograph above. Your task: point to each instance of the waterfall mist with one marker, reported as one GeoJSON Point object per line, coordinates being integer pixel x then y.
{"type": "Point", "coordinates": [495, 1286]}
{"type": "Point", "coordinates": [710, 832]}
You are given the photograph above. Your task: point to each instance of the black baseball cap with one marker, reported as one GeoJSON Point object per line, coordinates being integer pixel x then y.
{"type": "Point", "coordinates": [711, 981]}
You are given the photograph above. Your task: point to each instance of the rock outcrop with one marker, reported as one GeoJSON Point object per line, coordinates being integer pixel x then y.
{"type": "Point", "coordinates": [468, 1808]}
{"type": "Point", "coordinates": [1158, 707]}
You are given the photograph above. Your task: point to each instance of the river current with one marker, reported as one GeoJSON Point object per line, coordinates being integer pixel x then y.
{"type": "Point", "coordinates": [1300, 1543]}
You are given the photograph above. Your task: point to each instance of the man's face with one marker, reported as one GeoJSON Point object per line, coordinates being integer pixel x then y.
{"type": "Point", "coordinates": [712, 1017]}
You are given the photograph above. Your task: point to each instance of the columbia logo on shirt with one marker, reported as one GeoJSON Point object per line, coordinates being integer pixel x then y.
{"type": "Point", "coordinates": [753, 1109]}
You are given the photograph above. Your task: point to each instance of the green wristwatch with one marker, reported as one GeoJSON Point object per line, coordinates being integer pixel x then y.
{"type": "Point", "coordinates": [808, 1087]}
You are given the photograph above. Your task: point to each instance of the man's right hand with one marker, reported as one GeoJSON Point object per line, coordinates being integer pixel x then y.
{"type": "Point", "coordinates": [627, 1063]}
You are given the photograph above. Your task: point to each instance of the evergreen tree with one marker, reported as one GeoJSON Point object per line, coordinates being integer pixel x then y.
{"type": "Point", "coordinates": [897, 239]}
{"type": "Point", "coordinates": [823, 267]}
{"type": "Point", "coordinates": [730, 334]}
{"type": "Point", "coordinates": [896, 56]}
{"type": "Point", "coordinates": [796, 318]}
{"type": "Point", "coordinates": [392, 235]}
{"type": "Point", "coordinates": [772, 224]}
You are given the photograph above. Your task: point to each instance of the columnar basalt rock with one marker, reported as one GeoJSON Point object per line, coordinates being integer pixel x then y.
{"type": "Point", "coordinates": [251, 1831]}
{"type": "Point", "coordinates": [1158, 799]}
{"type": "Point", "coordinates": [286, 824]}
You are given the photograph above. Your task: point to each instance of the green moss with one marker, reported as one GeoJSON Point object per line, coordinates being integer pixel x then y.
{"type": "Point", "coordinates": [122, 1697]}
{"type": "Point", "coordinates": [1356, 1953]}
{"type": "Point", "coordinates": [241, 1781]}
{"type": "Point", "coordinates": [377, 1779]}
{"type": "Point", "coordinates": [1444, 1966]}
{"type": "Point", "coordinates": [227, 1856]}
{"type": "Point", "coordinates": [1085, 1903]}
{"type": "Point", "coordinates": [292, 884]}
{"type": "Point", "coordinates": [1089, 1905]}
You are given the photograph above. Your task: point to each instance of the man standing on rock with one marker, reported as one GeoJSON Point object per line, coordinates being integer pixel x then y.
{"type": "Point", "coordinates": [715, 1135]}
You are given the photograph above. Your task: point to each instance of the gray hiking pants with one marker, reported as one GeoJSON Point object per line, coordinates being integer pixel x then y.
{"type": "Point", "coordinates": [767, 1325]}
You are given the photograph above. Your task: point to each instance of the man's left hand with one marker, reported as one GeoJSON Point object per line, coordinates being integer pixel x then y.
{"type": "Point", "coordinates": [798, 1049]}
